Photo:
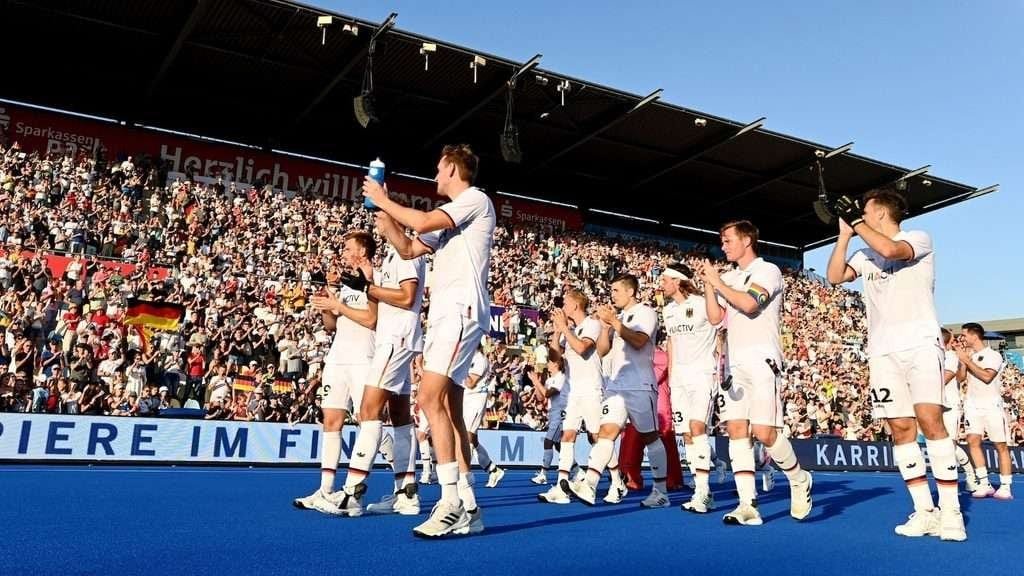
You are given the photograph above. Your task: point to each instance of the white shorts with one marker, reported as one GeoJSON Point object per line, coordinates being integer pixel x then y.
{"type": "Point", "coordinates": [391, 369]}
{"type": "Point", "coordinates": [639, 406]}
{"type": "Point", "coordinates": [585, 410]}
{"type": "Point", "coordinates": [951, 419]}
{"type": "Point", "coordinates": [902, 379]}
{"type": "Point", "coordinates": [991, 421]}
{"type": "Point", "coordinates": [692, 398]}
{"type": "Point", "coordinates": [753, 396]}
{"type": "Point", "coordinates": [450, 344]}
{"type": "Point", "coordinates": [554, 432]}
{"type": "Point", "coordinates": [473, 410]}
{"type": "Point", "coordinates": [343, 386]}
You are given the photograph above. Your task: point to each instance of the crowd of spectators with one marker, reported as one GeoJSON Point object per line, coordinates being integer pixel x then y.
{"type": "Point", "coordinates": [243, 262]}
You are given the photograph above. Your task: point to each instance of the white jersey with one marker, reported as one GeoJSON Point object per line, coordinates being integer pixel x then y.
{"type": "Point", "coordinates": [691, 335]}
{"type": "Point", "coordinates": [980, 394]}
{"type": "Point", "coordinates": [353, 343]}
{"type": "Point", "coordinates": [481, 367]}
{"type": "Point", "coordinates": [396, 325]}
{"type": "Point", "coordinates": [951, 393]}
{"type": "Point", "coordinates": [462, 259]}
{"type": "Point", "coordinates": [755, 337]}
{"type": "Point", "coordinates": [558, 402]}
{"type": "Point", "coordinates": [629, 368]}
{"type": "Point", "coordinates": [584, 373]}
{"type": "Point", "coordinates": [900, 296]}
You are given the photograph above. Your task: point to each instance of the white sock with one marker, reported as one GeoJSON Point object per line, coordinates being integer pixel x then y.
{"type": "Point", "coordinates": [942, 454]}
{"type": "Point", "coordinates": [549, 455]}
{"type": "Point", "coordinates": [566, 459]}
{"type": "Point", "coordinates": [404, 463]}
{"type": "Point", "coordinates": [425, 458]}
{"type": "Point", "coordinates": [964, 461]}
{"type": "Point", "coordinates": [659, 464]}
{"type": "Point", "coordinates": [742, 455]}
{"type": "Point", "coordinates": [910, 461]}
{"type": "Point", "coordinates": [783, 454]}
{"type": "Point", "coordinates": [387, 449]}
{"type": "Point", "coordinates": [982, 472]}
{"type": "Point", "coordinates": [1005, 480]}
{"type": "Point", "coordinates": [600, 454]}
{"type": "Point", "coordinates": [364, 452]}
{"type": "Point", "coordinates": [700, 463]}
{"type": "Point", "coordinates": [329, 460]}
{"type": "Point", "coordinates": [448, 478]}
{"type": "Point", "coordinates": [613, 466]}
{"type": "Point", "coordinates": [483, 458]}
{"type": "Point", "coordinates": [465, 490]}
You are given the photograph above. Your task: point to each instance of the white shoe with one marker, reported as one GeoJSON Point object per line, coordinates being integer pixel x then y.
{"type": "Point", "coordinates": [428, 477]}
{"type": "Point", "coordinates": [719, 471]}
{"type": "Point", "coordinates": [984, 490]}
{"type": "Point", "coordinates": [744, 515]}
{"type": "Point", "coordinates": [923, 523]}
{"type": "Point", "coordinates": [554, 495]}
{"type": "Point", "coordinates": [496, 475]}
{"type": "Point", "coordinates": [581, 490]}
{"type": "Point", "coordinates": [405, 502]}
{"type": "Point", "coordinates": [800, 502]}
{"type": "Point", "coordinates": [1003, 493]}
{"type": "Point", "coordinates": [580, 475]}
{"type": "Point", "coordinates": [951, 526]}
{"type": "Point", "coordinates": [306, 502]}
{"type": "Point", "coordinates": [474, 522]}
{"type": "Point", "coordinates": [616, 492]}
{"type": "Point", "coordinates": [348, 501]}
{"type": "Point", "coordinates": [767, 479]}
{"type": "Point", "coordinates": [699, 503]}
{"type": "Point", "coordinates": [970, 480]}
{"type": "Point", "coordinates": [540, 478]}
{"type": "Point", "coordinates": [656, 500]}
{"type": "Point", "coordinates": [444, 519]}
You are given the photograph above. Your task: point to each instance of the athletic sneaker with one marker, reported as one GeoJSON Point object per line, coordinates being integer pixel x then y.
{"type": "Point", "coordinates": [540, 478]}
{"type": "Point", "coordinates": [444, 519]}
{"type": "Point", "coordinates": [554, 495]}
{"type": "Point", "coordinates": [768, 479]}
{"type": "Point", "coordinates": [744, 515]}
{"type": "Point", "coordinates": [616, 492]}
{"type": "Point", "coordinates": [496, 475]}
{"type": "Point", "coordinates": [348, 500]}
{"type": "Point", "coordinates": [428, 477]}
{"type": "Point", "coordinates": [405, 502]}
{"type": "Point", "coordinates": [581, 490]}
{"type": "Point", "coordinates": [1003, 493]}
{"type": "Point", "coordinates": [984, 490]}
{"type": "Point", "coordinates": [800, 502]}
{"type": "Point", "coordinates": [656, 500]}
{"type": "Point", "coordinates": [921, 523]}
{"type": "Point", "coordinates": [951, 526]}
{"type": "Point", "coordinates": [306, 502]}
{"type": "Point", "coordinates": [970, 481]}
{"type": "Point", "coordinates": [474, 522]}
{"type": "Point", "coordinates": [699, 503]}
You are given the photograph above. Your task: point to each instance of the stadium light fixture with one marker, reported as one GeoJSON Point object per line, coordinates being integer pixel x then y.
{"type": "Point", "coordinates": [323, 22]}
{"type": "Point", "coordinates": [427, 49]}
{"type": "Point", "coordinates": [350, 29]}
{"type": "Point", "coordinates": [563, 88]}
{"type": "Point", "coordinates": [700, 122]}
{"type": "Point", "coordinates": [475, 64]}
{"type": "Point", "coordinates": [540, 80]}
{"type": "Point", "coordinates": [918, 172]}
{"type": "Point", "coordinates": [530, 65]}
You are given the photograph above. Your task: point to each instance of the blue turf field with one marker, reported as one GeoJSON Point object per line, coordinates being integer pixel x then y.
{"type": "Point", "coordinates": [197, 521]}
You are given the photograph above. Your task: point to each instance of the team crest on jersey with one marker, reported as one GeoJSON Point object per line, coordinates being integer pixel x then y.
{"type": "Point", "coordinates": [689, 312]}
{"type": "Point", "coordinates": [629, 318]}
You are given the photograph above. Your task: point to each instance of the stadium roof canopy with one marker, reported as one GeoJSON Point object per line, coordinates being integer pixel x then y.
{"type": "Point", "coordinates": [261, 72]}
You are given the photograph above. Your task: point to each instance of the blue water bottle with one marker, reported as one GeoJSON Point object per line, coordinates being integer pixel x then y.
{"type": "Point", "coordinates": [377, 173]}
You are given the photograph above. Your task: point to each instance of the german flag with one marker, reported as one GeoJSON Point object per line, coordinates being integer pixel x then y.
{"type": "Point", "coordinates": [157, 315]}
{"type": "Point", "coordinates": [145, 337]}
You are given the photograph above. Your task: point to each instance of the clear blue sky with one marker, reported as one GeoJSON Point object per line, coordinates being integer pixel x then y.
{"type": "Point", "coordinates": [911, 82]}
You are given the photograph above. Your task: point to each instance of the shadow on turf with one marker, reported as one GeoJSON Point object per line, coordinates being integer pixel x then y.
{"type": "Point", "coordinates": [618, 510]}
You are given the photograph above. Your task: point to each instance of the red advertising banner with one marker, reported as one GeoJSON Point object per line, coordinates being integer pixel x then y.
{"type": "Point", "coordinates": [47, 131]}
{"type": "Point", "coordinates": [58, 263]}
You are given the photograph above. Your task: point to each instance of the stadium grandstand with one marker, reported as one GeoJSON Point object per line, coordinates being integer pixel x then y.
{"type": "Point", "coordinates": [161, 236]}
